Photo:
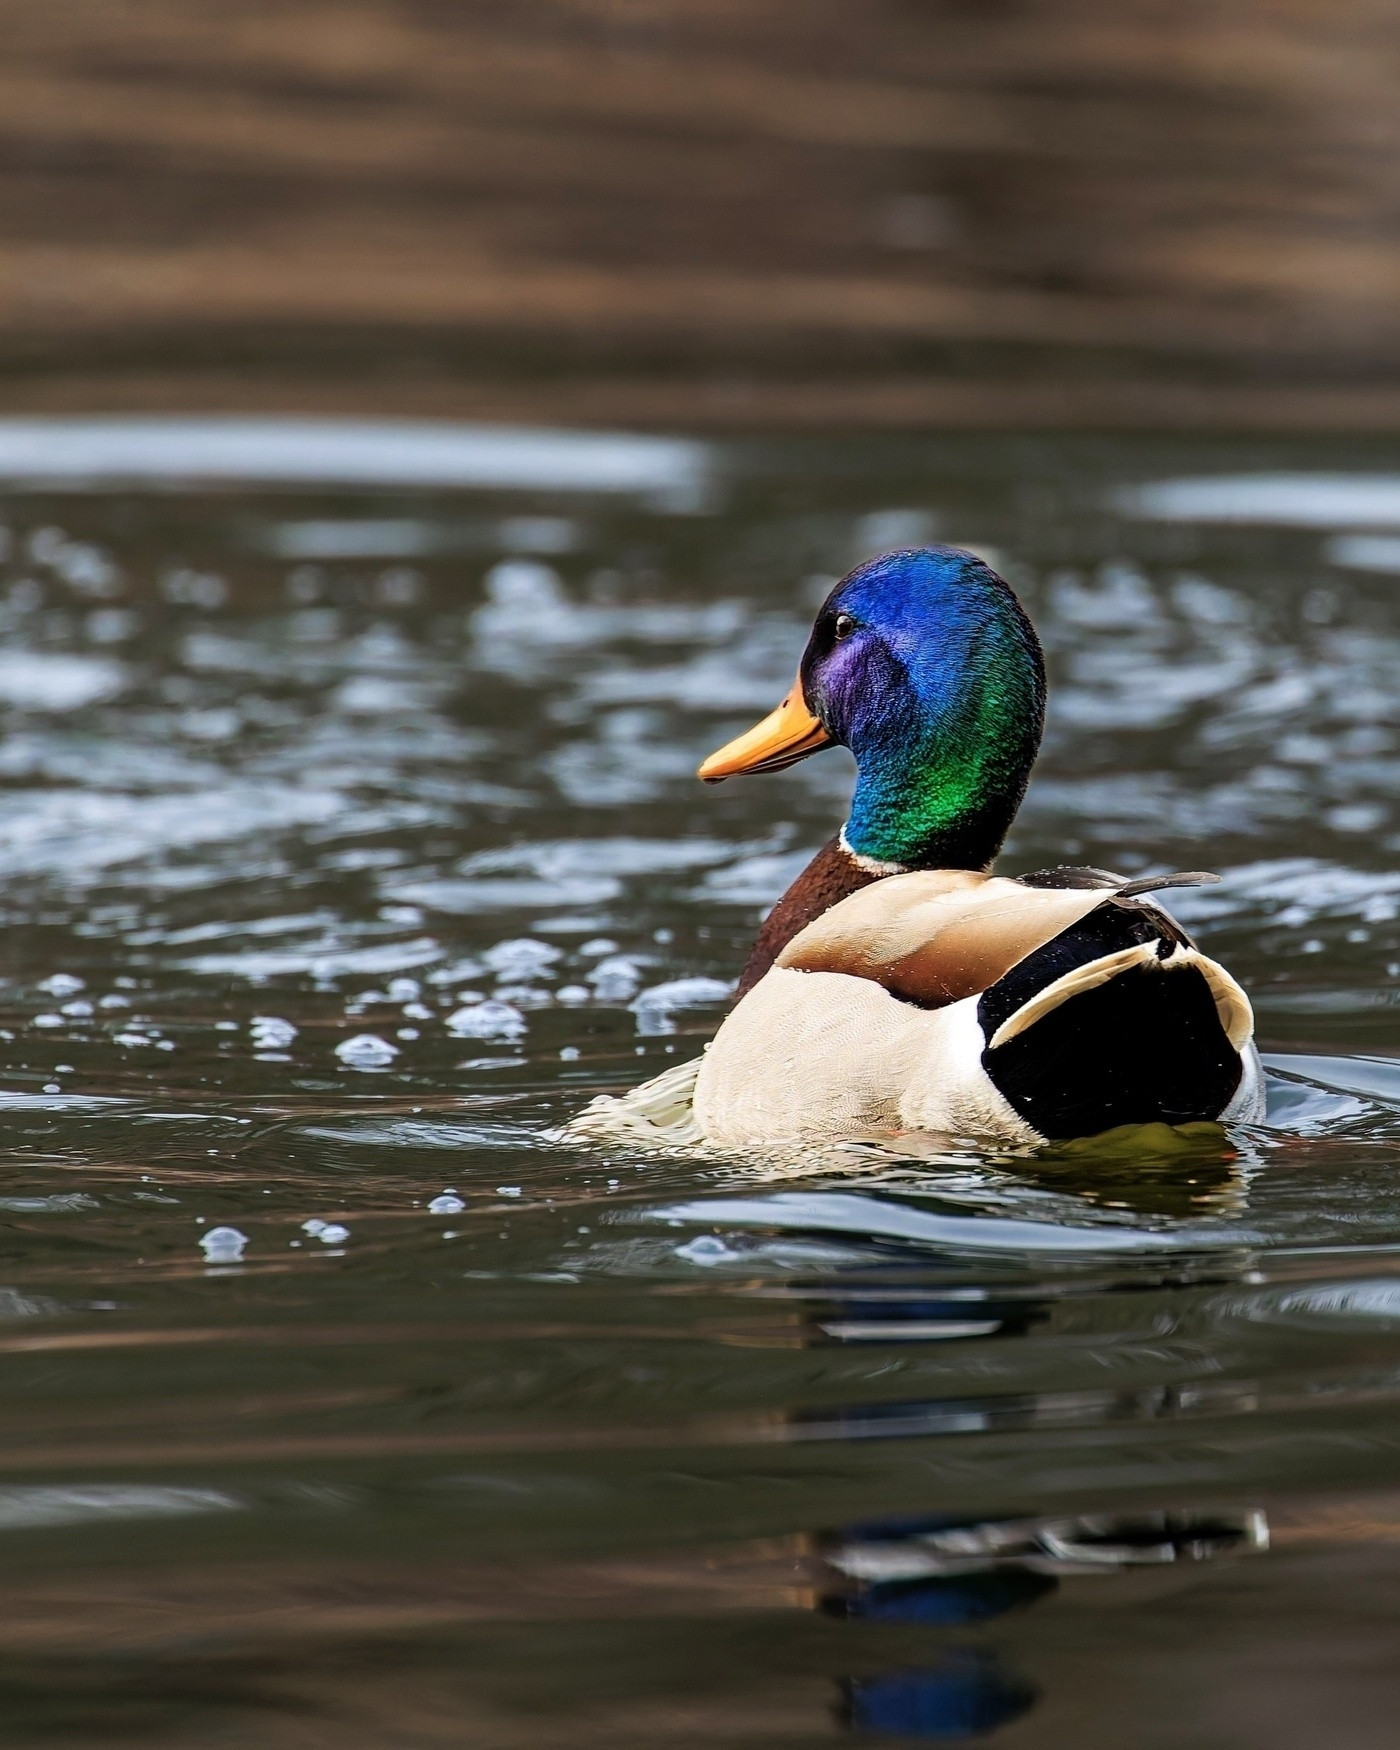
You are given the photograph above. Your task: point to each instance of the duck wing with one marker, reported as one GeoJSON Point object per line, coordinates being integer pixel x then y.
{"type": "Point", "coordinates": [933, 937]}
{"type": "Point", "coordinates": [1065, 875]}
{"type": "Point", "coordinates": [1118, 1021]}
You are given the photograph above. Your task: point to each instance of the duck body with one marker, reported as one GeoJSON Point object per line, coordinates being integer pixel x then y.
{"type": "Point", "coordinates": [899, 984]}
{"type": "Point", "coordinates": [980, 1006]}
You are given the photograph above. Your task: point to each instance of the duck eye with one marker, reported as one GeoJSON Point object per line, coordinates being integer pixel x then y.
{"type": "Point", "coordinates": [844, 626]}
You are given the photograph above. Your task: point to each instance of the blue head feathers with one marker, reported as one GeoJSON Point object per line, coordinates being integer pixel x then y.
{"type": "Point", "coordinates": [924, 664]}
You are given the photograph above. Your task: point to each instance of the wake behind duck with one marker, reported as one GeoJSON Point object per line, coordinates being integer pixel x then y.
{"type": "Point", "coordinates": [898, 984]}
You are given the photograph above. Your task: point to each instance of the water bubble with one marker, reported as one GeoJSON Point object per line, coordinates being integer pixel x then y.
{"type": "Point", "coordinates": [654, 1007]}
{"type": "Point", "coordinates": [366, 1051]}
{"type": "Point", "coordinates": [223, 1245]}
{"type": "Point", "coordinates": [333, 1234]}
{"type": "Point", "coordinates": [270, 1032]}
{"type": "Point", "coordinates": [616, 978]}
{"type": "Point", "coordinates": [486, 1021]}
{"type": "Point", "coordinates": [447, 1204]}
{"type": "Point", "coordinates": [61, 984]}
{"type": "Point", "coordinates": [707, 1250]}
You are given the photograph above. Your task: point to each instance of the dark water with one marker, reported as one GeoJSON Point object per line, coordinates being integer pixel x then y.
{"type": "Point", "coordinates": [463, 1436]}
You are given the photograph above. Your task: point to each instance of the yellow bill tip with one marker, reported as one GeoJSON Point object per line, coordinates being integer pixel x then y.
{"type": "Point", "coordinates": [785, 736]}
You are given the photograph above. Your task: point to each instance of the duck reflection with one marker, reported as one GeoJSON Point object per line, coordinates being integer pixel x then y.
{"type": "Point", "coordinates": [942, 1599]}
{"type": "Point", "coordinates": [1181, 1172]}
{"type": "Point", "coordinates": [943, 1571]}
{"type": "Point", "coordinates": [918, 1315]}
{"type": "Point", "coordinates": [940, 1546]}
{"type": "Point", "coordinates": [966, 1694]}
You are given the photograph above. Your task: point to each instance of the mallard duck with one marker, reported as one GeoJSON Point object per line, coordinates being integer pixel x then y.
{"type": "Point", "coordinates": [899, 984]}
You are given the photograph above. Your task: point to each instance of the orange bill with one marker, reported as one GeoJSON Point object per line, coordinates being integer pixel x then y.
{"type": "Point", "coordinates": [785, 736]}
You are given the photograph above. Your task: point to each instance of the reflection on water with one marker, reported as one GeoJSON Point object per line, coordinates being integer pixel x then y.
{"type": "Point", "coordinates": [951, 1573]}
{"type": "Point", "coordinates": [351, 844]}
{"type": "Point", "coordinates": [884, 1555]}
{"type": "Point", "coordinates": [966, 1694]}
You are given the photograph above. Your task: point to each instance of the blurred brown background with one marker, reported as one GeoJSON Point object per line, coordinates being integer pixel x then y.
{"type": "Point", "coordinates": [706, 212]}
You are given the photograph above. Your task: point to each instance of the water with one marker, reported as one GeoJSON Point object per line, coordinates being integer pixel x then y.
{"type": "Point", "coordinates": [345, 832]}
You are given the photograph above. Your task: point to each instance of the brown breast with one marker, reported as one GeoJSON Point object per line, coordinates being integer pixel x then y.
{"type": "Point", "coordinates": [831, 876]}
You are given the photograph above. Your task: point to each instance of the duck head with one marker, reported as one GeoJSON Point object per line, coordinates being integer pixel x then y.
{"type": "Point", "coordinates": [924, 665]}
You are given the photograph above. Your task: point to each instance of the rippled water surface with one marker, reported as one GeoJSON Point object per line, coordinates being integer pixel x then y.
{"type": "Point", "coordinates": [350, 844]}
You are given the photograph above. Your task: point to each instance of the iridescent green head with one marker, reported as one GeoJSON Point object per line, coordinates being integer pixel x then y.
{"type": "Point", "coordinates": [924, 664]}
